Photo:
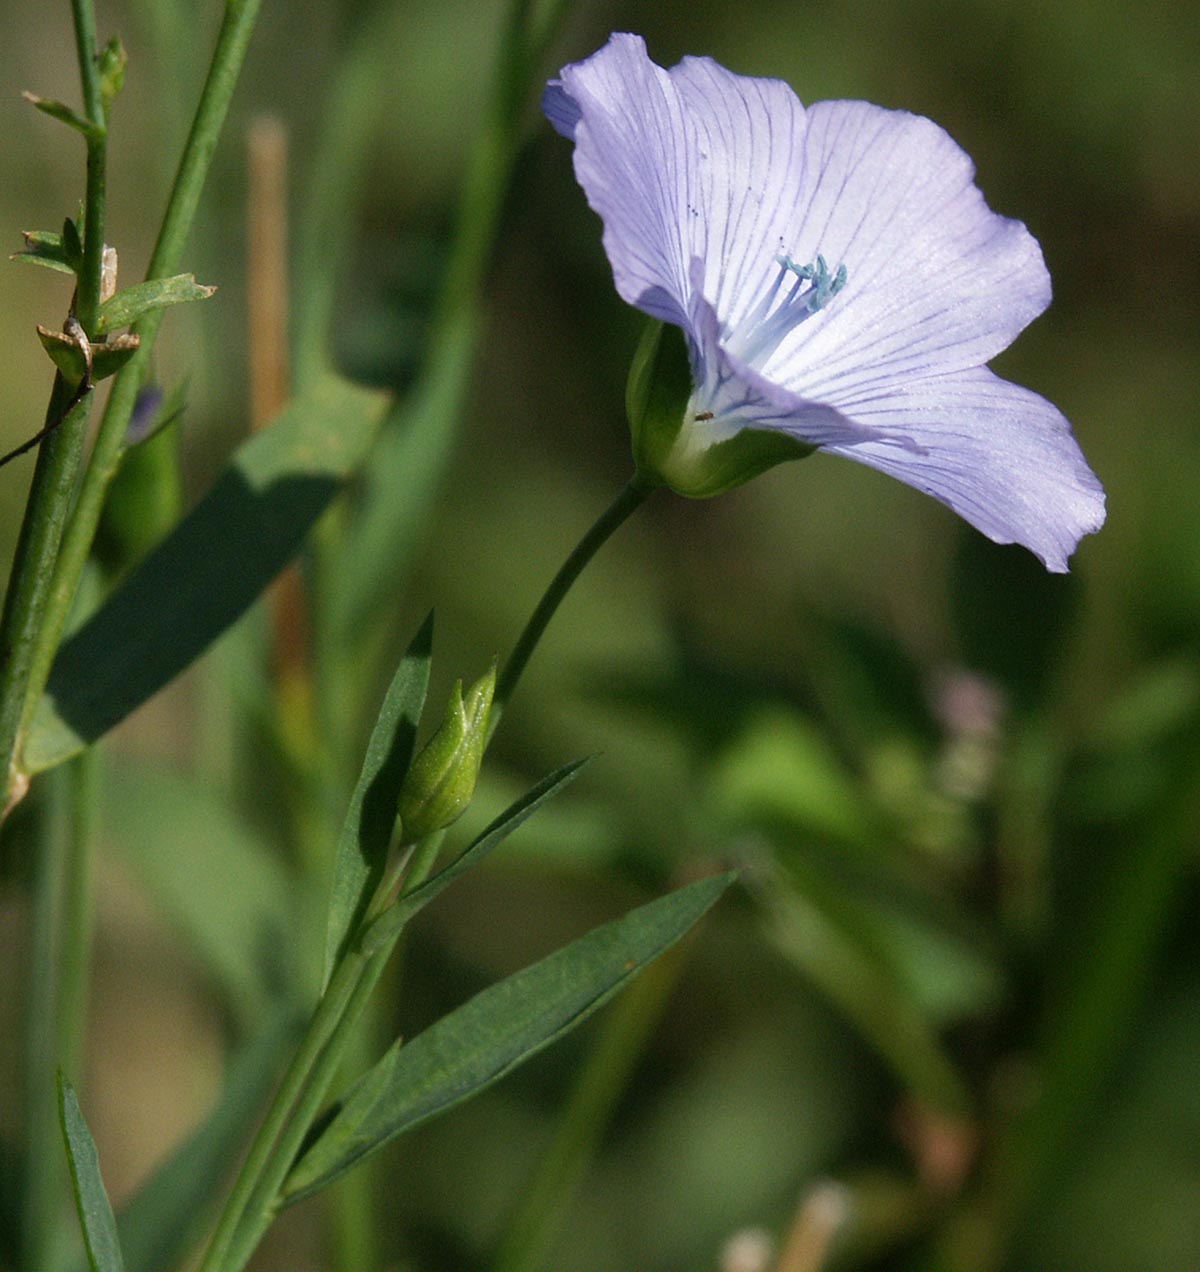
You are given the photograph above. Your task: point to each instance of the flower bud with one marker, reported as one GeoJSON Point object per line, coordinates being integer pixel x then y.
{"type": "Point", "coordinates": [675, 443]}
{"type": "Point", "coordinates": [441, 780]}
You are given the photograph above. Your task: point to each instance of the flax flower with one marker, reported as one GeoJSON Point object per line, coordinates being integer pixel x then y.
{"type": "Point", "coordinates": [840, 283]}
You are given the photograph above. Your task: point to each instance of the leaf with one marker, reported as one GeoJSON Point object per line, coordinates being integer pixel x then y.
{"type": "Point", "coordinates": [44, 247]}
{"type": "Point", "coordinates": [206, 573]}
{"type": "Point", "coordinates": [371, 816]}
{"type": "Point", "coordinates": [65, 115]}
{"type": "Point", "coordinates": [129, 304]}
{"type": "Point", "coordinates": [91, 1201]}
{"type": "Point", "coordinates": [828, 947]}
{"type": "Point", "coordinates": [159, 1222]}
{"type": "Point", "coordinates": [389, 924]}
{"type": "Point", "coordinates": [226, 894]}
{"type": "Point", "coordinates": [495, 1031]}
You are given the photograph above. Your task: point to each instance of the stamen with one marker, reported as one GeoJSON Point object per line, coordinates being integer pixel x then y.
{"type": "Point", "coordinates": [761, 331]}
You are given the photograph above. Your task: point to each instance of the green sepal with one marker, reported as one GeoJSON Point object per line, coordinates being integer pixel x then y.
{"type": "Point", "coordinates": [111, 62]}
{"type": "Point", "coordinates": [44, 247]}
{"type": "Point", "coordinates": [656, 397]}
{"type": "Point", "coordinates": [65, 115]}
{"type": "Point", "coordinates": [129, 304]}
{"type": "Point", "coordinates": [441, 781]}
{"type": "Point", "coordinates": [673, 445]}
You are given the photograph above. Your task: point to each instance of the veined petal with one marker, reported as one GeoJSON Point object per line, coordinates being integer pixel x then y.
{"type": "Point", "coordinates": [937, 282]}
{"type": "Point", "coordinates": [1000, 456]}
{"type": "Point", "coordinates": [692, 163]}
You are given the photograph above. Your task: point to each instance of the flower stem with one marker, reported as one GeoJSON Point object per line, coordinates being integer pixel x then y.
{"type": "Point", "coordinates": [226, 64]}
{"type": "Point", "coordinates": [631, 497]}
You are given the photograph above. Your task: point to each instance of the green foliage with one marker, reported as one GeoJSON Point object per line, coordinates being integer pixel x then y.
{"type": "Point", "coordinates": [206, 573]}
{"type": "Point", "coordinates": [129, 304]}
{"type": "Point", "coordinates": [91, 1201]}
{"type": "Point", "coordinates": [476, 1045]}
{"type": "Point", "coordinates": [371, 816]}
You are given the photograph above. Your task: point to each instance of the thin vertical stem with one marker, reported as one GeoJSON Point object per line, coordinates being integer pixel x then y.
{"type": "Point", "coordinates": [631, 498]}
{"type": "Point", "coordinates": [26, 602]}
{"type": "Point", "coordinates": [228, 56]}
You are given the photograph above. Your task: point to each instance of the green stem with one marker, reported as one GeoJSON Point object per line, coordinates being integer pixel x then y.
{"type": "Point", "coordinates": [631, 497]}
{"type": "Point", "coordinates": [87, 300]}
{"type": "Point", "coordinates": [226, 64]}
{"type": "Point", "coordinates": [328, 1015]}
{"type": "Point", "coordinates": [27, 601]}
{"type": "Point", "coordinates": [252, 1204]}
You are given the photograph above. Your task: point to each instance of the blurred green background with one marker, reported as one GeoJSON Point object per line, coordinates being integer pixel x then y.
{"type": "Point", "coordinates": [963, 976]}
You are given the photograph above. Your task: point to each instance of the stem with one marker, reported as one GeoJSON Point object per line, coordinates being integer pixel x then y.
{"type": "Point", "coordinates": [630, 498]}
{"type": "Point", "coordinates": [226, 64]}
{"type": "Point", "coordinates": [87, 300]}
{"type": "Point", "coordinates": [26, 604]}
{"type": "Point", "coordinates": [328, 1015]}
{"type": "Point", "coordinates": [252, 1204]}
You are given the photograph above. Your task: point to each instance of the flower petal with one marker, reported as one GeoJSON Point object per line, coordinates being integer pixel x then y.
{"type": "Point", "coordinates": [692, 163]}
{"type": "Point", "coordinates": [1001, 457]}
{"type": "Point", "coordinates": [936, 281]}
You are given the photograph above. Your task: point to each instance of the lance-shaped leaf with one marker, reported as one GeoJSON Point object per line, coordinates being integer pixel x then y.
{"type": "Point", "coordinates": [207, 571]}
{"type": "Point", "coordinates": [494, 1032]}
{"type": "Point", "coordinates": [387, 927]}
{"type": "Point", "coordinates": [91, 1201]}
{"type": "Point", "coordinates": [44, 247]}
{"type": "Point", "coordinates": [367, 829]}
{"type": "Point", "coordinates": [65, 115]}
{"type": "Point", "coordinates": [129, 304]}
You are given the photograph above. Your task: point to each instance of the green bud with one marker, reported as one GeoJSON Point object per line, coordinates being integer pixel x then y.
{"type": "Point", "coordinates": [675, 444]}
{"type": "Point", "coordinates": [111, 63]}
{"type": "Point", "coordinates": [441, 781]}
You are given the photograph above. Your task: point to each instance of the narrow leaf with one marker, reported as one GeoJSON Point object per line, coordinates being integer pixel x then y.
{"type": "Point", "coordinates": [371, 816]}
{"type": "Point", "coordinates": [44, 247]}
{"type": "Point", "coordinates": [494, 1032]}
{"type": "Point", "coordinates": [129, 304]}
{"type": "Point", "coordinates": [388, 925]}
{"type": "Point", "coordinates": [65, 115]}
{"type": "Point", "coordinates": [206, 573]}
{"type": "Point", "coordinates": [227, 895]}
{"type": "Point", "coordinates": [91, 1201]}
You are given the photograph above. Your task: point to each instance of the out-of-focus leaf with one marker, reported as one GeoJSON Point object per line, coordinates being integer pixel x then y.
{"type": "Point", "coordinates": [782, 768]}
{"type": "Point", "coordinates": [91, 1201]}
{"type": "Point", "coordinates": [1011, 614]}
{"type": "Point", "coordinates": [130, 303]}
{"type": "Point", "coordinates": [830, 949]}
{"type": "Point", "coordinates": [389, 924]}
{"type": "Point", "coordinates": [371, 816]}
{"type": "Point", "coordinates": [206, 573]}
{"type": "Point", "coordinates": [162, 1219]}
{"type": "Point", "coordinates": [494, 1032]}
{"type": "Point", "coordinates": [228, 896]}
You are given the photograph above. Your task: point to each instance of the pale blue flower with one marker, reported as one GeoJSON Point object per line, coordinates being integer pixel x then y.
{"type": "Point", "coordinates": [838, 278]}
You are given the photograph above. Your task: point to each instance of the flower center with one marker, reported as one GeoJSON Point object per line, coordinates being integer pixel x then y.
{"type": "Point", "coordinates": [782, 308]}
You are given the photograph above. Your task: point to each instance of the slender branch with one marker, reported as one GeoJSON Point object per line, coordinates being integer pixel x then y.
{"type": "Point", "coordinates": [630, 498]}
{"type": "Point", "coordinates": [27, 599]}
{"type": "Point", "coordinates": [228, 56]}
